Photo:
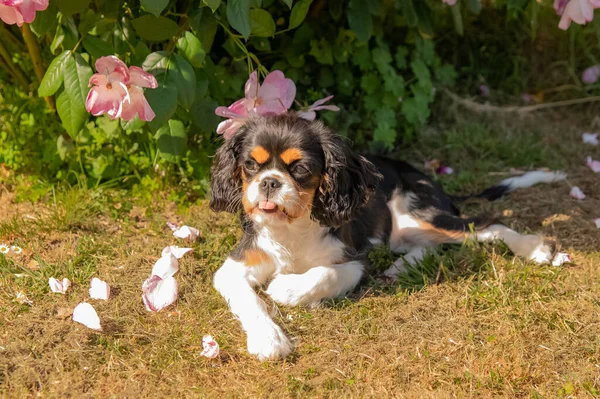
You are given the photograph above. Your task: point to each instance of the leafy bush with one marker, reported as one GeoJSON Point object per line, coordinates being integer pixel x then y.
{"type": "Point", "coordinates": [377, 57]}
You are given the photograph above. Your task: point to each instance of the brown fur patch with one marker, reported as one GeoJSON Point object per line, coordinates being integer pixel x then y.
{"type": "Point", "coordinates": [259, 154]}
{"type": "Point", "coordinates": [255, 257]}
{"type": "Point", "coordinates": [290, 155]}
{"type": "Point", "coordinates": [442, 236]}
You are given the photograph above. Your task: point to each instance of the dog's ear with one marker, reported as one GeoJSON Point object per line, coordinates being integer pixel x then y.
{"type": "Point", "coordinates": [225, 179]}
{"type": "Point", "coordinates": [347, 183]}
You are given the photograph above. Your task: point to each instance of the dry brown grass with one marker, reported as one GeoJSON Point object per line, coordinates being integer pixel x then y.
{"type": "Point", "coordinates": [492, 326]}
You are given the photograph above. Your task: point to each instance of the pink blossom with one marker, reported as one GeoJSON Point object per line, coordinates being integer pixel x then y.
{"type": "Point", "coordinates": [591, 74]}
{"type": "Point", "coordinates": [560, 258]}
{"type": "Point", "coordinates": [210, 346]}
{"type": "Point", "coordinates": [310, 113]}
{"type": "Point", "coordinates": [577, 193]}
{"type": "Point", "coordinates": [157, 293]}
{"type": "Point", "coordinates": [592, 164]}
{"type": "Point", "coordinates": [20, 11]}
{"type": "Point", "coordinates": [275, 96]}
{"type": "Point", "coordinates": [137, 104]}
{"type": "Point", "coordinates": [110, 88]}
{"type": "Point", "coordinates": [578, 11]}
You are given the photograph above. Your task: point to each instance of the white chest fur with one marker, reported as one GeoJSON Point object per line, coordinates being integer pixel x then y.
{"type": "Point", "coordinates": [299, 246]}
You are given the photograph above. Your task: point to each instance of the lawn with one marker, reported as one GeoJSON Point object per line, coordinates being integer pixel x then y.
{"type": "Point", "coordinates": [470, 321]}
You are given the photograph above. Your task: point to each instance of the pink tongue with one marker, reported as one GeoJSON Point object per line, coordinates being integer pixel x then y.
{"type": "Point", "coordinates": [266, 205]}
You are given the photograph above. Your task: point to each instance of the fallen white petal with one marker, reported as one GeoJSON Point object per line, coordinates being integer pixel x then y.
{"type": "Point", "coordinates": [60, 287]}
{"type": "Point", "coordinates": [21, 297]}
{"type": "Point", "coordinates": [176, 251]}
{"type": "Point", "coordinates": [597, 221]}
{"type": "Point", "coordinates": [186, 233]}
{"type": "Point", "coordinates": [99, 289]}
{"type": "Point", "coordinates": [590, 138]}
{"type": "Point", "coordinates": [166, 266]}
{"type": "Point", "coordinates": [211, 347]}
{"type": "Point", "coordinates": [172, 226]}
{"type": "Point", "coordinates": [561, 258]}
{"type": "Point", "coordinates": [85, 314]}
{"type": "Point", "coordinates": [577, 193]}
{"type": "Point", "coordinates": [593, 165]}
{"type": "Point", "coordinates": [157, 293]}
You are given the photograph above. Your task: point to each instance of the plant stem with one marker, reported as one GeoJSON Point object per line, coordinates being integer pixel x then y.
{"type": "Point", "coordinates": [16, 71]}
{"type": "Point", "coordinates": [36, 59]}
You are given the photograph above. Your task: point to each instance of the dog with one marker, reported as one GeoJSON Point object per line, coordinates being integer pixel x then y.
{"type": "Point", "coordinates": [311, 208]}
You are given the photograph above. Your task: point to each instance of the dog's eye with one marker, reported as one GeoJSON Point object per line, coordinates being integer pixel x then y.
{"type": "Point", "coordinates": [300, 170]}
{"type": "Point", "coordinates": [251, 165]}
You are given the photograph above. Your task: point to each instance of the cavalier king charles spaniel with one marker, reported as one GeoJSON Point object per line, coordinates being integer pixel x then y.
{"type": "Point", "coordinates": [311, 208]}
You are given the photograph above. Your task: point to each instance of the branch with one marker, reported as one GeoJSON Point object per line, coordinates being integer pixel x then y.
{"type": "Point", "coordinates": [34, 52]}
{"type": "Point", "coordinates": [485, 108]}
{"type": "Point", "coordinates": [14, 69]}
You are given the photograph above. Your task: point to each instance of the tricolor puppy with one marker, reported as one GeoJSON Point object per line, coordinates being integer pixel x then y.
{"type": "Point", "coordinates": [310, 210]}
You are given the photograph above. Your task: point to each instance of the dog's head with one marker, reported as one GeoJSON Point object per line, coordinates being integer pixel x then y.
{"type": "Point", "coordinates": [282, 168]}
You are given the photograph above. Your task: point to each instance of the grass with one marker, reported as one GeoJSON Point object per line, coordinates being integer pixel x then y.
{"type": "Point", "coordinates": [470, 320]}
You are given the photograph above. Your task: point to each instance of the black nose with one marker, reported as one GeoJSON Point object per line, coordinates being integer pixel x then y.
{"type": "Point", "coordinates": [269, 185]}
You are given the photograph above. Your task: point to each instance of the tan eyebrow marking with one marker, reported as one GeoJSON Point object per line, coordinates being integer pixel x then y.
{"type": "Point", "coordinates": [290, 155]}
{"type": "Point", "coordinates": [259, 154]}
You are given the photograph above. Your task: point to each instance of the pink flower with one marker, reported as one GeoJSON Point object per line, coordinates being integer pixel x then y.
{"type": "Point", "coordinates": [210, 346]}
{"type": "Point", "coordinates": [449, 2]}
{"type": "Point", "coordinates": [592, 164]}
{"type": "Point", "coordinates": [591, 74]}
{"type": "Point", "coordinates": [310, 113]}
{"type": "Point", "coordinates": [590, 138]}
{"type": "Point", "coordinates": [578, 11]}
{"type": "Point", "coordinates": [20, 11]}
{"type": "Point", "coordinates": [58, 286]}
{"type": "Point", "coordinates": [137, 104]}
{"type": "Point", "coordinates": [110, 88]}
{"type": "Point", "coordinates": [274, 97]}
{"type": "Point", "coordinates": [577, 193]}
{"type": "Point", "coordinates": [158, 293]}
{"type": "Point", "coordinates": [560, 258]}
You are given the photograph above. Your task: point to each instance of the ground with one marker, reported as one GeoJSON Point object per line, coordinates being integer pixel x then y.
{"type": "Point", "coordinates": [471, 321]}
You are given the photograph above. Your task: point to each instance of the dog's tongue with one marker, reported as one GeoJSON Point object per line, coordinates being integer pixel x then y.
{"type": "Point", "coordinates": [266, 205]}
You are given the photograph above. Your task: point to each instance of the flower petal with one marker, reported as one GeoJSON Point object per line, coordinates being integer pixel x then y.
{"type": "Point", "coordinates": [141, 78]}
{"type": "Point", "coordinates": [29, 7]}
{"type": "Point", "coordinates": [590, 138]}
{"type": "Point", "coordinates": [99, 289]}
{"type": "Point", "coordinates": [176, 251]}
{"type": "Point", "coordinates": [137, 105]}
{"type": "Point", "coordinates": [252, 86]}
{"type": "Point", "coordinates": [229, 127]}
{"type": "Point", "coordinates": [109, 64]}
{"type": "Point", "coordinates": [561, 258]}
{"type": "Point", "coordinates": [166, 266]}
{"type": "Point", "coordinates": [593, 165]}
{"type": "Point", "coordinates": [186, 233]}
{"type": "Point", "coordinates": [102, 100]}
{"type": "Point", "coordinates": [591, 74]}
{"type": "Point", "coordinates": [210, 347]}
{"type": "Point", "coordinates": [577, 193]}
{"type": "Point", "coordinates": [158, 293]}
{"type": "Point", "coordinates": [308, 115]}
{"type": "Point", "coordinates": [55, 285]}
{"type": "Point", "coordinates": [11, 15]}
{"type": "Point", "coordinates": [66, 284]}
{"type": "Point", "coordinates": [85, 314]}
{"type": "Point", "coordinates": [597, 222]}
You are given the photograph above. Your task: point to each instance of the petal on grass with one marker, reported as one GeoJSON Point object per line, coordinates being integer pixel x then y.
{"type": "Point", "coordinates": [85, 314]}
{"type": "Point", "coordinates": [176, 251]}
{"type": "Point", "coordinates": [59, 287]}
{"type": "Point", "coordinates": [577, 193]}
{"type": "Point", "coordinates": [593, 165]}
{"type": "Point", "coordinates": [166, 266]}
{"type": "Point", "coordinates": [157, 293]}
{"type": "Point", "coordinates": [590, 138]}
{"type": "Point", "coordinates": [210, 347]}
{"type": "Point", "coordinates": [186, 233]}
{"type": "Point", "coordinates": [561, 258]}
{"type": "Point", "coordinates": [597, 222]}
{"type": "Point", "coordinates": [99, 289]}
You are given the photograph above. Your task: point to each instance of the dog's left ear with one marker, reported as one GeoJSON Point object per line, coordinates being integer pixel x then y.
{"type": "Point", "coordinates": [225, 179]}
{"type": "Point", "coordinates": [347, 183]}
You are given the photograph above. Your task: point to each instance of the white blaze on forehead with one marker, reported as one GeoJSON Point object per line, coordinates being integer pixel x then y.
{"type": "Point", "coordinates": [283, 194]}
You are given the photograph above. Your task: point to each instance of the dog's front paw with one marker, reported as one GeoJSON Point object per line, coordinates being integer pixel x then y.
{"type": "Point", "coordinates": [269, 343]}
{"type": "Point", "coordinates": [289, 289]}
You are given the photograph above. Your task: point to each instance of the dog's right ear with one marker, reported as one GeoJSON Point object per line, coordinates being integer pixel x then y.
{"type": "Point", "coordinates": [225, 181]}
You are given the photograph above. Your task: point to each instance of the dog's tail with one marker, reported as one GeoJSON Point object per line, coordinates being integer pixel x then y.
{"type": "Point", "coordinates": [512, 183]}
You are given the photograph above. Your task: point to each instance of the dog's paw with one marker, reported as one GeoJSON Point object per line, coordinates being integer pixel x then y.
{"type": "Point", "coordinates": [269, 343]}
{"type": "Point", "coordinates": [290, 289]}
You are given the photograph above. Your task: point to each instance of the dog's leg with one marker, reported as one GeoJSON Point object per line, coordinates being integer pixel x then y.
{"type": "Point", "coordinates": [412, 257]}
{"type": "Point", "coordinates": [531, 247]}
{"type": "Point", "coordinates": [234, 280]}
{"type": "Point", "coordinates": [318, 283]}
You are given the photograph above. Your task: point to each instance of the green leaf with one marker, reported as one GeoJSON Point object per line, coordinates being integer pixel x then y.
{"type": "Point", "coordinates": [474, 6]}
{"type": "Point", "coordinates": [154, 7]}
{"type": "Point", "coordinates": [77, 74]}
{"type": "Point", "coordinates": [407, 9]}
{"type": "Point", "coordinates": [72, 115]}
{"type": "Point", "coordinates": [299, 13]}
{"type": "Point", "coordinates": [213, 4]}
{"type": "Point", "coordinates": [458, 19]}
{"type": "Point", "coordinates": [445, 74]}
{"type": "Point", "coordinates": [71, 7]}
{"type": "Point", "coordinates": [155, 29]}
{"type": "Point", "coordinates": [359, 19]}
{"type": "Point", "coordinates": [64, 146]}
{"type": "Point", "coordinates": [261, 23]}
{"type": "Point", "coordinates": [203, 114]}
{"type": "Point", "coordinates": [385, 135]}
{"type": "Point", "coordinates": [238, 15]}
{"type": "Point", "coordinates": [182, 75]}
{"type": "Point", "coordinates": [163, 101]}
{"type": "Point", "coordinates": [322, 51]}
{"type": "Point", "coordinates": [288, 3]}
{"type": "Point", "coordinates": [400, 58]}
{"type": "Point", "coordinates": [97, 47]}
{"type": "Point", "coordinates": [53, 77]}
{"type": "Point", "coordinates": [156, 63]}
{"type": "Point", "coordinates": [171, 140]}
{"type": "Point", "coordinates": [45, 21]}
{"type": "Point", "coordinates": [134, 124]}
{"type": "Point", "coordinates": [191, 48]}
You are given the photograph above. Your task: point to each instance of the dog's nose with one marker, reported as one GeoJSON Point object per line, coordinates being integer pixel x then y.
{"type": "Point", "coordinates": [269, 185]}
